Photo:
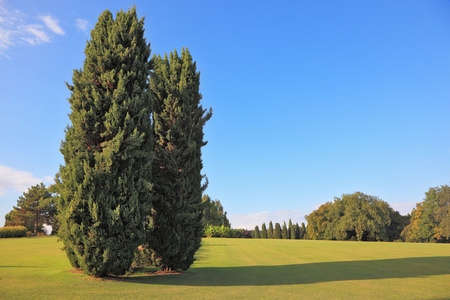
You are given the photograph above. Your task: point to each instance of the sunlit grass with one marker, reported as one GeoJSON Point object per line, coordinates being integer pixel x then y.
{"type": "Point", "coordinates": [239, 268]}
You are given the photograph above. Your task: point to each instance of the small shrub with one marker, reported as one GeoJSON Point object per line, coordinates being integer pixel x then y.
{"type": "Point", "coordinates": [13, 231]}
{"type": "Point", "coordinates": [143, 258]}
{"type": "Point", "coordinates": [226, 232]}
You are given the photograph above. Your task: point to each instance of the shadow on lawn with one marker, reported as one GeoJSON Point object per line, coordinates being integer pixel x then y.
{"type": "Point", "coordinates": [304, 273]}
{"type": "Point", "coordinates": [20, 267]}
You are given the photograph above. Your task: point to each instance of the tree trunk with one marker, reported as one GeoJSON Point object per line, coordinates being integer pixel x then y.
{"type": "Point", "coordinates": [36, 223]}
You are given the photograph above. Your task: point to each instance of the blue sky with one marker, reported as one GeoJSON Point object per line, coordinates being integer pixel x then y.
{"type": "Point", "coordinates": [311, 99]}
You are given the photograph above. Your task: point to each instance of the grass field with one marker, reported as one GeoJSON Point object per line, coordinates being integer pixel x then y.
{"type": "Point", "coordinates": [241, 268]}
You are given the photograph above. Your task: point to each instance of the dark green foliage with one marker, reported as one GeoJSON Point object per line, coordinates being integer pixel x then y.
{"type": "Point", "coordinates": [354, 217]}
{"type": "Point", "coordinates": [54, 189]}
{"type": "Point", "coordinates": [291, 230]}
{"type": "Point", "coordinates": [34, 209]}
{"type": "Point", "coordinates": [241, 233]}
{"type": "Point", "coordinates": [297, 231]}
{"type": "Point", "coordinates": [284, 231]}
{"type": "Point", "coordinates": [213, 213]}
{"type": "Point", "coordinates": [277, 231]}
{"type": "Point", "coordinates": [256, 233]}
{"type": "Point", "coordinates": [430, 220]}
{"type": "Point", "coordinates": [263, 231]}
{"type": "Point", "coordinates": [13, 231]}
{"type": "Point", "coordinates": [108, 149]}
{"type": "Point", "coordinates": [270, 231]}
{"type": "Point", "coordinates": [176, 229]}
{"type": "Point", "coordinates": [398, 224]}
{"type": "Point", "coordinates": [303, 231]}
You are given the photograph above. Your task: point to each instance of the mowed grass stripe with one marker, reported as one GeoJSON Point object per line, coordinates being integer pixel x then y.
{"type": "Point", "coordinates": [239, 268]}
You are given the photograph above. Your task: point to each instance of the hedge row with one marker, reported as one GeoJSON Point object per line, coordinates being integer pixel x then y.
{"type": "Point", "coordinates": [226, 232]}
{"type": "Point", "coordinates": [13, 231]}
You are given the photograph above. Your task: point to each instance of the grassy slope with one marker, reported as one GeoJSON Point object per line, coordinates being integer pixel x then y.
{"type": "Point", "coordinates": [237, 268]}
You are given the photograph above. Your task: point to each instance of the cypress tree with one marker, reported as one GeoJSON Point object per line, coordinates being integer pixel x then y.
{"type": "Point", "coordinates": [303, 231]}
{"type": "Point", "coordinates": [105, 182]}
{"type": "Point", "coordinates": [263, 231]}
{"type": "Point", "coordinates": [291, 230]}
{"type": "Point", "coordinates": [257, 233]}
{"type": "Point", "coordinates": [297, 231]}
{"type": "Point", "coordinates": [270, 232]}
{"type": "Point", "coordinates": [176, 230]}
{"type": "Point", "coordinates": [277, 231]}
{"type": "Point", "coordinates": [285, 231]}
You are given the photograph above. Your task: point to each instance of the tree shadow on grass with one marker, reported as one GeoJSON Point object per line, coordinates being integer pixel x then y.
{"type": "Point", "coordinates": [303, 273]}
{"type": "Point", "coordinates": [20, 267]}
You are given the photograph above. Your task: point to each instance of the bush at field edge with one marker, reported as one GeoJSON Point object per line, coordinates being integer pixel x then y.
{"type": "Point", "coordinates": [13, 231]}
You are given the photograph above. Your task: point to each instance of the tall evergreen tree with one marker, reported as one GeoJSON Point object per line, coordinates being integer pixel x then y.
{"type": "Point", "coordinates": [285, 231]}
{"type": "Point", "coordinates": [257, 234]}
{"type": "Point", "coordinates": [105, 182]}
{"type": "Point", "coordinates": [277, 231]}
{"type": "Point", "coordinates": [270, 232]}
{"type": "Point", "coordinates": [291, 230]}
{"type": "Point", "coordinates": [297, 231]}
{"type": "Point", "coordinates": [263, 231]}
{"type": "Point", "coordinates": [176, 230]}
{"type": "Point", "coordinates": [303, 231]}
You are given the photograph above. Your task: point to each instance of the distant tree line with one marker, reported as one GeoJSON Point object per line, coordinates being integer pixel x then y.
{"type": "Point", "coordinates": [363, 217]}
{"type": "Point", "coordinates": [289, 231]}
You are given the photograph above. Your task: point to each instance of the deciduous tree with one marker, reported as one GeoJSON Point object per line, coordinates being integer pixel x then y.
{"type": "Point", "coordinates": [213, 213]}
{"type": "Point", "coordinates": [356, 216]}
{"type": "Point", "coordinates": [430, 220]}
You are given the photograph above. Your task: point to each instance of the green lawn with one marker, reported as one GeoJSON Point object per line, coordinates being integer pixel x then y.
{"type": "Point", "coordinates": [239, 268]}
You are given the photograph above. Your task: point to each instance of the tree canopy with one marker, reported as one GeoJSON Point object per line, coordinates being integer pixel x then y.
{"type": "Point", "coordinates": [213, 213]}
{"type": "Point", "coordinates": [430, 220]}
{"type": "Point", "coordinates": [35, 208]}
{"type": "Point", "coordinates": [108, 149]}
{"type": "Point", "coordinates": [356, 216]}
{"type": "Point", "coordinates": [176, 226]}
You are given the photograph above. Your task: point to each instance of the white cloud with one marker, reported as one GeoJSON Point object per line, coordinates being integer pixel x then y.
{"type": "Point", "coordinates": [34, 34]}
{"type": "Point", "coordinates": [52, 24]}
{"type": "Point", "coordinates": [17, 28]}
{"type": "Point", "coordinates": [82, 25]}
{"type": "Point", "coordinates": [17, 180]}
{"type": "Point", "coordinates": [8, 20]}
{"type": "Point", "coordinates": [249, 221]}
